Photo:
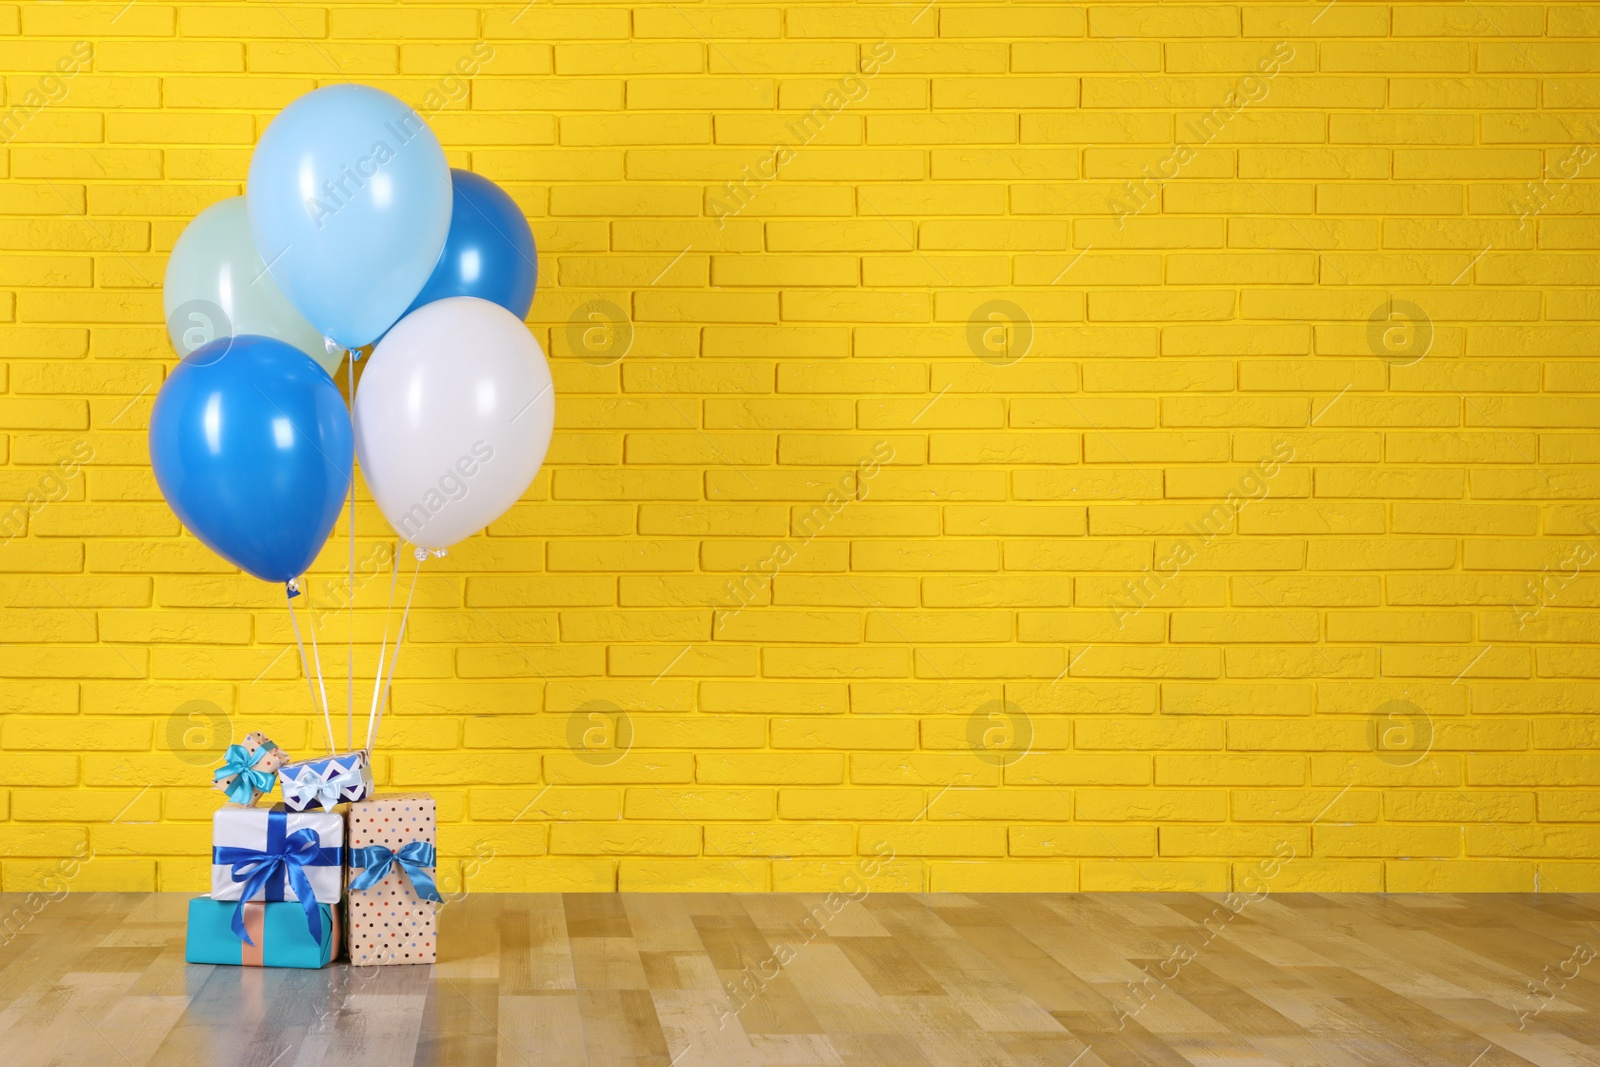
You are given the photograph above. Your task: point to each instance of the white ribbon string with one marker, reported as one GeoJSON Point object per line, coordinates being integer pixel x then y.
{"type": "Point", "coordinates": [306, 667]}
{"type": "Point", "coordinates": [405, 617]}
{"type": "Point", "coordinates": [383, 646]}
{"type": "Point", "coordinates": [350, 589]}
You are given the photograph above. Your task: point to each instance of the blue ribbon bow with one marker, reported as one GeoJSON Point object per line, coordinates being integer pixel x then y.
{"type": "Point", "coordinates": [416, 859]}
{"type": "Point", "coordinates": [286, 856]}
{"type": "Point", "coordinates": [249, 781]}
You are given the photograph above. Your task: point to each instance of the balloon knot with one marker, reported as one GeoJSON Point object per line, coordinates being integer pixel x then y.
{"type": "Point", "coordinates": [421, 553]}
{"type": "Point", "coordinates": [292, 588]}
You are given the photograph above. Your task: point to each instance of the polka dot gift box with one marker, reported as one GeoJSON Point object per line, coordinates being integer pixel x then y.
{"type": "Point", "coordinates": [392, 898]}
{"type": "Point", "coordinates": [247, 769]}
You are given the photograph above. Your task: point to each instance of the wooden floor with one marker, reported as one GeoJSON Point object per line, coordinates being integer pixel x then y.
{"type": "Point", "coordinates": [635, 979]}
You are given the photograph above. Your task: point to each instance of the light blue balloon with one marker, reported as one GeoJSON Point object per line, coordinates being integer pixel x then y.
{"type": "Point", "coordinates": [349, 198]}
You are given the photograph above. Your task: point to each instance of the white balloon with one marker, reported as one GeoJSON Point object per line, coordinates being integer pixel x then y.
{"type": "Point", "coordinates": [452, 419]}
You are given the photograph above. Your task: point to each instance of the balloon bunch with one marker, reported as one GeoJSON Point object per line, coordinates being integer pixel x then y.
{"type": "Point", "coordinates": [353, 231]}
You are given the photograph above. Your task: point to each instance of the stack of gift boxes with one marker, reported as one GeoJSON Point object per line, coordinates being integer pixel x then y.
{"type": "Point", "coordinates": [330, 870]}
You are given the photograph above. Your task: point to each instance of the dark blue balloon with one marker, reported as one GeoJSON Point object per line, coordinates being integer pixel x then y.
{"type": "Point", "coordinates": [489, 253]}
{"type": "Point", "coordinates": [252, 448]}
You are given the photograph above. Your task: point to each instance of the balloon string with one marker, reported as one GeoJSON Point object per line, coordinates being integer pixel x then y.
{"type": "Point", "coordinates": [350, 587]}
{"type": "Point", "coordinates": [305, 664]}
{"type": "Point", "coordinates": [395, 659]}
{"type": "Point", "coordinates": [383, 646]}
{"type": "Point", "coordinates": [306, 667]}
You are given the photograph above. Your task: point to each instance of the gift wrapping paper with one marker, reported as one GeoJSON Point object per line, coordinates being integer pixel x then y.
{"type": "Point", "coordinates": [326, 780]}
{"type": "Point", "coordinates": [390, 923]}
{"type": "Point", "coordinates": [312, 841]}
{"type": "Point", "coordinates": [252, 759]}
{"type": "Point", "coordinates": [278, 930]}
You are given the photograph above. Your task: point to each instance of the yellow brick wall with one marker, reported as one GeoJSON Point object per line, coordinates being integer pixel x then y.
{"type": "Point", "coordinates": [1124, 446]}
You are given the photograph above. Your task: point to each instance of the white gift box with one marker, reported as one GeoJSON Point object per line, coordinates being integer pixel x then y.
{"type": "Point", "coordinates": [273, 851]}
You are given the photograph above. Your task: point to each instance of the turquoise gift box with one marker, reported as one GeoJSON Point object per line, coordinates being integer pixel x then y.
{"type": "Point", "coordinates": [277, 928]}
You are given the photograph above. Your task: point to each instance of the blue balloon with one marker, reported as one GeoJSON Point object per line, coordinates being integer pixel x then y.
{"type": "Point", "coordinates": [349, 201]}
{"type": "Point", "coordinates": [489, 253]}
{"type": "Point", "coordinates": [252, 448]}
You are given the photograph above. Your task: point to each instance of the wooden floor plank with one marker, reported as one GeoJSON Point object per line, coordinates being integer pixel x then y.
{"type": "Point", "coordinates": [803, 980]}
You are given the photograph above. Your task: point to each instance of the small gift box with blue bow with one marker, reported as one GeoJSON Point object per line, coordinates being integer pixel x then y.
{"type": "Point", "coordinates": [393, 897]}
{"type": "Point", "coordinates": [326, 781]}
{"type": "Point", "coordinates": [248, 769]}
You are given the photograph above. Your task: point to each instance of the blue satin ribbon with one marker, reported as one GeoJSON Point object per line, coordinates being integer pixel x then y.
{"type": "Point", "coordinates": [416, 859]}
{"type": "Point", "coordinates": [239, 761]}
{"type": "Point", "coordinates": [286, 856]}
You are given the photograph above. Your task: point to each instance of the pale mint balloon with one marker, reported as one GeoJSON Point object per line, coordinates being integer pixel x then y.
{"type": "Point", "coordinates": [218, 286]}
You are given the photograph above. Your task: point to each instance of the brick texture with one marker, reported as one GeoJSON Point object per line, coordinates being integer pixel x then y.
{"type": "Point", "coordinates": [1110, 446]}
